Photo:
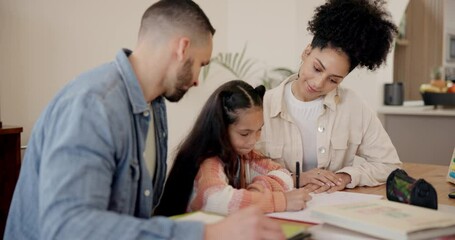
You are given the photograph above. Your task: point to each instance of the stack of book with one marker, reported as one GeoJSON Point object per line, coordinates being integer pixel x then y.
{"type": "Point", "coordinates": [388, 220]}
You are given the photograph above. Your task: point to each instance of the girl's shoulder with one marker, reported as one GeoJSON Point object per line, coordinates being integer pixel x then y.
{"type": "Point", "coordinates": [257, 159]}
{"type": "Point", "coordinates": [256, 155]}
{"type": "Point", "coordinates": [212, 162]}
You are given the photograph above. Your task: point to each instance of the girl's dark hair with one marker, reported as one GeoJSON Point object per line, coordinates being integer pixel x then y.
{"type": "Point", "coordinates": [361, 28]}
{"type": "Point", "coordinates": [208, 138]}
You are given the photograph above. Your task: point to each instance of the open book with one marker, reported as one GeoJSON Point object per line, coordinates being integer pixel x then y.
{"type": "Point", "coordinates": [387, 219]}
{"type": "Point", "coordinates": [323, 199]}
{"type": "Point", "coordinates": [291, 231]}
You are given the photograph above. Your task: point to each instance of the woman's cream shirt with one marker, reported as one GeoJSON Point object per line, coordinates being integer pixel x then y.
{"type": "Point", "coordinates": [350, 137]}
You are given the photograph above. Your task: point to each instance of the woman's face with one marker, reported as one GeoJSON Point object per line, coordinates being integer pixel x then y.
{"type": "Point", "coordinates": [245, 132]}
{"type": "Point", "coordinates": [321, 72]}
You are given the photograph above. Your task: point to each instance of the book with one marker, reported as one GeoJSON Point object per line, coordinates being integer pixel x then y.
{"type": "Point", "coordinates": [323, 199]}
{"type": "Point", "coordinates": [328, 231]}
{"type": "Point", "coordinates": [387, 219]}
{"type": "Point", "coordinates": [451, 173]}
{"type": "Point", "coordinates": [291, 231]}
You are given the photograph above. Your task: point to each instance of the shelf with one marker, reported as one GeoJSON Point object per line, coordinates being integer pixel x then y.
{"type": "Point", "coordinates": [402, 42]}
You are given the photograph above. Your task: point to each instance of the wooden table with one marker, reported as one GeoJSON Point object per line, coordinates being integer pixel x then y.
{"type": "Point", "coordinates": [10, 163]}
{"type": "Point", "coordinates": [434, 174]}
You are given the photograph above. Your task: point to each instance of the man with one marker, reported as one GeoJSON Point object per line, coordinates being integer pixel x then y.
{"type": "Point", "coordinates": [96, 161]}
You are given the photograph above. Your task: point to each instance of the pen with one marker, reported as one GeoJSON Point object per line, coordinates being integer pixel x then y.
{"type": "Point", "coordinates": [297, 174]}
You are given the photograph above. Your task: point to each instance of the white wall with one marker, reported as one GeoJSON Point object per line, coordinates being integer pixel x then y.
{"type": "Point", "coordinates": [44, 44]}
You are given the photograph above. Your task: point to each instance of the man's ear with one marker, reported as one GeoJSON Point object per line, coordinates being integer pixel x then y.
{"type": "Point", "coordinates": [183, 46]}
{"type": "Point", "coordinates": [306, 52]}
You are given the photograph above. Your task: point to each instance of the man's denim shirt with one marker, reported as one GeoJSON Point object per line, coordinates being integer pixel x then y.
{"type": "Point", "coordinates": [84, 176]}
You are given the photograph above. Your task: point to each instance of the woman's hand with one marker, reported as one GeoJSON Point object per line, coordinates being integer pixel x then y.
{"type": "Point", "coordinates": [296, 199]}
{"type": "Point", "coordinates": [320, 180]}
{"type": "Point", "coordinates": [319, 177]}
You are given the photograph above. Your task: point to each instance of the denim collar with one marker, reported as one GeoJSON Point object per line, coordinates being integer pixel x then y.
{"type": "Point", "coordinates": [135, 94]}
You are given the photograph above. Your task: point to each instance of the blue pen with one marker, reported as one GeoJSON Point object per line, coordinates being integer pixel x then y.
{"type": "Point", "coordinates": [297, 174]}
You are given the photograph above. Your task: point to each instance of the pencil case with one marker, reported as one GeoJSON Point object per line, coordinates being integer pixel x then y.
{"type": "Point", "coordinates": [402, 188]}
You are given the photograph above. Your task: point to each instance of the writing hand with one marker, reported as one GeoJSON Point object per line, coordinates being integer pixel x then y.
{"type": "Point", "coordinates": [247, 223]}
{"type": "Point", "coordinates": [296, 199]}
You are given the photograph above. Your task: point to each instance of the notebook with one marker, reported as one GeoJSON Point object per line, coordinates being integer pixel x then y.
{"type": "Point", "coordinates": [388, 219]}
{"type": "Point", "coordinates": [323, 199]}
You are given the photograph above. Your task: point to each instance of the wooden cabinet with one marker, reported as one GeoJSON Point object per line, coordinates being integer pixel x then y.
{"type": "Point", "coordinates": [10, 163]}
{"type": "Point", "coordinates": [421, 53]}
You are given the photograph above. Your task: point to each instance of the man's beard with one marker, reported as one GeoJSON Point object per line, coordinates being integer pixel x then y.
{"type": "Point", "coordinates": [184, 77]}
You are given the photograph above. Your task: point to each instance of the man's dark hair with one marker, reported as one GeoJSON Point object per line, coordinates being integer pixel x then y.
{"type": "Point", "coordinates": [360, 28]}
{"type": "Point", "coordinates": [184, 14]}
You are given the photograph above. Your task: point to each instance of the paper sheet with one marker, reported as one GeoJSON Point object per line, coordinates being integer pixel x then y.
{"type": "Point", "coordinates": [201, 217]}
{"type": "Point", "coordinates": [323, 199]}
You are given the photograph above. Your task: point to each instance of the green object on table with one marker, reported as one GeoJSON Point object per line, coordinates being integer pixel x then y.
{"type": "Point", "coordinates": [294, 232]}
{"type": "Point", "coordinates": [291, 231]}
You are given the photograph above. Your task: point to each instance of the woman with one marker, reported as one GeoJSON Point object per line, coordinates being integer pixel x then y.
{"type": "Point", "coordinates": [311, 119]}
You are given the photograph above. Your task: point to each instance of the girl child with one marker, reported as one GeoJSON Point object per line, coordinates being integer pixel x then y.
{"type": "Point", "coordinates": [216, 168]}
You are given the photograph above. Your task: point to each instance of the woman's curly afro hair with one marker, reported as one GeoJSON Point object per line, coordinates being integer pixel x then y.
{"type": "Point", "coordinates": [361, 28]}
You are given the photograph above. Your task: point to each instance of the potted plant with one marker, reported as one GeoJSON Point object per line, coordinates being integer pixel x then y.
{"type": "Point", "coordinates": [244, 68]}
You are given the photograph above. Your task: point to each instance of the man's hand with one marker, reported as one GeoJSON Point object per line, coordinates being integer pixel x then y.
{"type": "Point", "coordinates": [246, 224]}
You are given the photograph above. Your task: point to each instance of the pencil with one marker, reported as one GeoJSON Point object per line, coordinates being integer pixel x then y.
{"type": "Point", "coordinates": [297, 174]}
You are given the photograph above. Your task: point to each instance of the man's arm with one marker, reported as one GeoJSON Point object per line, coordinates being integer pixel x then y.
{"type": "Point", "coordinates": [76, 175]}
{"type": "Point", "coordinates": [246, 224]}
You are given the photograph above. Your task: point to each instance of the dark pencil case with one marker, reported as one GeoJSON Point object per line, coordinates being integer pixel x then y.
{"type": "Point", "coordinates": [403, 188]}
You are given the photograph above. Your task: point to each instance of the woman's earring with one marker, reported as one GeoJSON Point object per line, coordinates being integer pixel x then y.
{"type": "Point", "coordinates": [298, 71]}
{"type": "Point", "coordinates": [337, 97]}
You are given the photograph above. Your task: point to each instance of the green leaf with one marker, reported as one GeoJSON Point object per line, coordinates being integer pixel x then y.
{"type": "Point", "coordinates": [205, 72]}
{"type": "Point", "coordinates": [242, 68]}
